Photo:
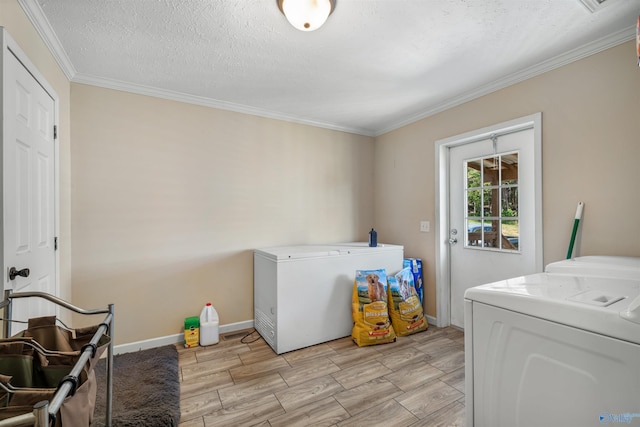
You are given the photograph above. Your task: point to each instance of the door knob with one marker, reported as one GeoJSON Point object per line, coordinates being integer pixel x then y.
{"type": "Point", "coordinates": [22, 273]}
{"type": "Point", "coordinates": [453, 241]}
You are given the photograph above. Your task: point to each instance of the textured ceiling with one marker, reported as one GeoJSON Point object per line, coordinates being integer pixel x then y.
{"type": "Point", "coordinates": [374, 66]}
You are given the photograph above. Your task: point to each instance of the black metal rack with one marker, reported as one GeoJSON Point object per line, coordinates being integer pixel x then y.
{"type": "Point", "coordinates": [45, 411]}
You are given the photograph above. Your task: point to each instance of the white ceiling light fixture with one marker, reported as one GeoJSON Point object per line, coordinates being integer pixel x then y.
{"type": "Point", "coordinates": [306, 15]}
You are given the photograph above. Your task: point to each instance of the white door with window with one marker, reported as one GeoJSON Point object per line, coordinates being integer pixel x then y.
{"type": "Point", "coordinates": [28, 183]}
{"type": "Point", "coordinates": [492, 227]}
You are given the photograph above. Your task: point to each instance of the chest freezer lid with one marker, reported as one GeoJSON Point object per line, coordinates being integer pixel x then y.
{"type": "Point", "coordinates": [597, 304]}
{"type": "Point", "coordinates": [364, 248]}
{"type": "Point", "coordinates": [603, 266]}
{"type": "Point", "coordinates": [279, 253]}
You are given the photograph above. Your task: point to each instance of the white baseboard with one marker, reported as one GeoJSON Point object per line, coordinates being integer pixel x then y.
{"type": "Point", "coordinates": [174, 339]}
{"type": "Point", "coordinates": [179, 338]}
{"type": "Point", "coordinates": [432, 320]}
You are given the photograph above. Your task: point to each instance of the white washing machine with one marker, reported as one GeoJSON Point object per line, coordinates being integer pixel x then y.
{"type": "Point", "coordinates": [560, 348]}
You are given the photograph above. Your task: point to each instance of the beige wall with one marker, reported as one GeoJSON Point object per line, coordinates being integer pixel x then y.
{"type": "Point", "coordinates": [590, 145]}
{"type": "Point", "coordinates": [13, 19]}
{"type": "Point", "coordinates": [170, 199]}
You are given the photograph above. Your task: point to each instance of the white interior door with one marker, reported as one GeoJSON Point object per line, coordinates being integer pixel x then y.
{"type": "Point", "coordinates": [28, 190]}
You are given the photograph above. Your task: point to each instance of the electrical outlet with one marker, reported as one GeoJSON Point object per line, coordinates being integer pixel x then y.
{"type": "Point", "coordinates": [424, 226]}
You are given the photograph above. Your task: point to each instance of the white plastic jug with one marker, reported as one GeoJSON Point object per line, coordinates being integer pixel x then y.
{"type": "Point", "coordinates": [209, 325]}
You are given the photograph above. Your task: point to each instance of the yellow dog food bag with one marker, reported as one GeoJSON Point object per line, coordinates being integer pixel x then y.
{"type": "Point", "coordinates": [371, 323]}
{"type": "Point", "coordinates": [405, 308]}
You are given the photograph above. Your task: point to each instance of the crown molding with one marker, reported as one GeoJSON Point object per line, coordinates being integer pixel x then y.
{"type": "Point", "coordinates": [38, 19]}
{"type": "Point", "coordinates": [566, 58]}
{"type": "Point", "coordinates": [209, 102]}
{"type": "Point", "coordinates": [40, 22]}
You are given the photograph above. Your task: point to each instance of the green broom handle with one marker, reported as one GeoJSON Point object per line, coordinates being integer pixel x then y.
{"type": "Point", "coordinates": [576, 222]}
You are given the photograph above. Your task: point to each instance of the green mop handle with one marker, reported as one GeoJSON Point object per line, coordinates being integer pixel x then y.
{"type": "Point", "coordinates": [575, 229]}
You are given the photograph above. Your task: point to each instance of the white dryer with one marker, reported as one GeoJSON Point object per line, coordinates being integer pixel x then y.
{"type": "Point", "coordinates": [555, 348]}
{"type": "Point", "coordinates": [603, 266]}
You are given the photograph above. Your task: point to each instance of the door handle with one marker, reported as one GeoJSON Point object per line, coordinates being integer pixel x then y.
{"type": "Point", "coordinates": [453, 240]}
{"type": "Point", "coordinates": [22, 273]}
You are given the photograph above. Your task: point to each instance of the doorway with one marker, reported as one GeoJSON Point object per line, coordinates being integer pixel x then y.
{"type": "Point", "coordinates": [488, 210]}
{"type": "Point", "coordinates": [29, 184]}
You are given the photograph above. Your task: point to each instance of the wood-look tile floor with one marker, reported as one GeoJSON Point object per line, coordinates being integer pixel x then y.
{"type": "Point", "coordinates": [416, 381]}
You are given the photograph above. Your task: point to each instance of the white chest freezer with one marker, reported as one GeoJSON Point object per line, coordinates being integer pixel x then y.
{"type": "Point", "coordinates": [302, 294]}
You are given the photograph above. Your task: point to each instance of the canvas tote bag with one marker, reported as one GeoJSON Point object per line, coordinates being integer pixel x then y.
{"type": "Point", "coordinates": [62, 349]}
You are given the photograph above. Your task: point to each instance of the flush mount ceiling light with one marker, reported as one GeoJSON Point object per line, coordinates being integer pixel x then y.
{"type": "Point", "coordinates": [307, 15]}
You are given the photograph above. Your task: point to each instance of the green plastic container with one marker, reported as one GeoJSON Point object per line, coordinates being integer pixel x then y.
{"type": "Point", "coordinates": [191, 331]}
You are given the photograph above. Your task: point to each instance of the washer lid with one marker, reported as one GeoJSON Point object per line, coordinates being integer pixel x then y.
{"type": "Point", "coordinates": [598, 304]}
{"type": "Point", "coordinates": [604, 266]}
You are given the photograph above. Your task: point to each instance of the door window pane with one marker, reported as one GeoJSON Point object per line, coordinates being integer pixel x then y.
{"type": "Point", "coordinates": [510, 201]}
{"type": "Point", "coordinates": [511, 234]}
{"type": "Point", "coordinates": [473, 174]}
{"type": "Point", "coordinates": [509, 169]}
{"type": "Point", "coordinates": [492, 203]}
{"type": "Point", "coordinates": [475, 230]}
{"type": "Point", "coordinates": [474, 203]}
{"type": "Point", "coordinates": [491, 170]}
